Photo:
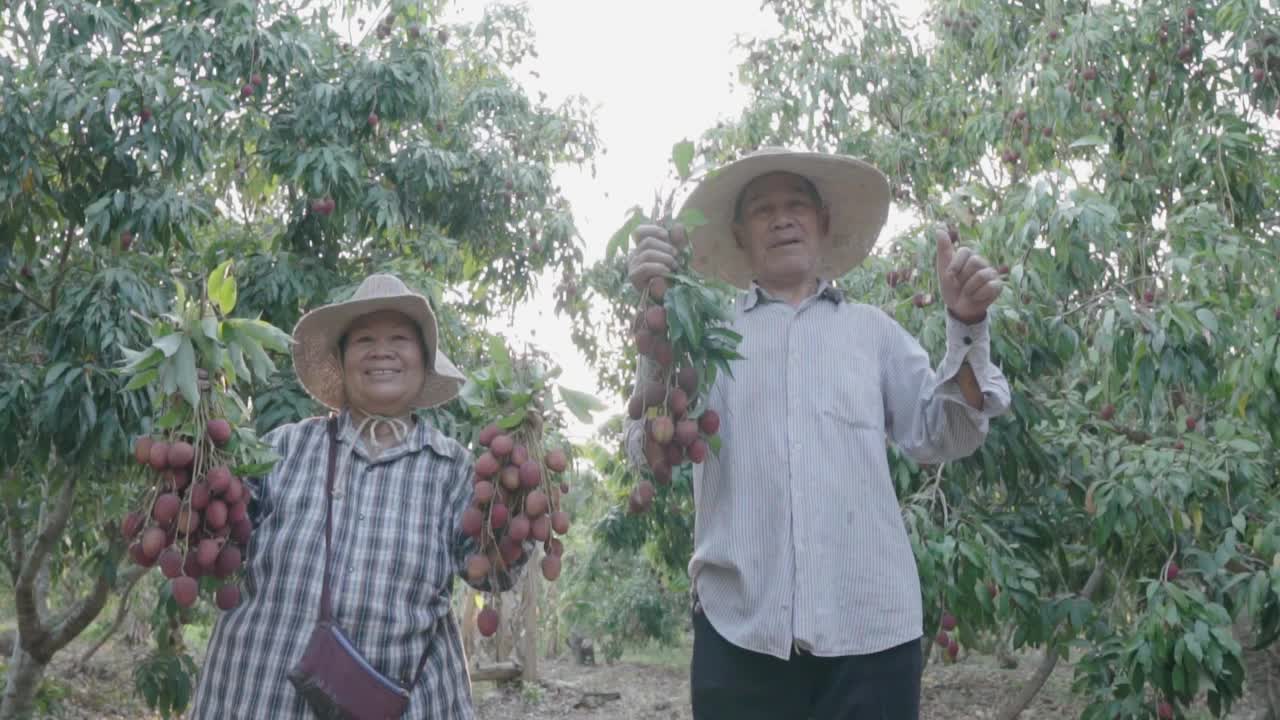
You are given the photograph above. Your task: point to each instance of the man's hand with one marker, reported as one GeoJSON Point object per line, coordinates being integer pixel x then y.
{"type": "Point", "coordinates": [969, 284]}
{"type": "Point", "coordinates": [653, 256]}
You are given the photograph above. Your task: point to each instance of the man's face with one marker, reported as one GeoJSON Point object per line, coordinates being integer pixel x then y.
{"type": "Point", "coordinates": [782, 228]}
{"type": "Point", "coordinates": [383, 363]}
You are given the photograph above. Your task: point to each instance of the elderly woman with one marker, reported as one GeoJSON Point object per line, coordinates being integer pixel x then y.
{"type": "Point", "coordinates": [399, 490]}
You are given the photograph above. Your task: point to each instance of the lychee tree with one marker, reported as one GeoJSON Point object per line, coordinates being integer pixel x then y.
{"type": "Point", "coordinates": [143, 146]}
{"type": "Point", "coordinates": [1116, 162]}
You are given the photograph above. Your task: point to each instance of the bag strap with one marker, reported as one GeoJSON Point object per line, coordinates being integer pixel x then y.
{"type": "Point", "coordinates": [326, 607]}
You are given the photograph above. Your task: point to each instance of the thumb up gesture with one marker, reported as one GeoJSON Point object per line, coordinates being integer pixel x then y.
{"type": "Point", "coordinates": [968, 283]}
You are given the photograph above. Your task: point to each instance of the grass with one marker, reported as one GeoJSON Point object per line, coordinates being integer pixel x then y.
{"type": "Point", "coordinates": [196, 637]}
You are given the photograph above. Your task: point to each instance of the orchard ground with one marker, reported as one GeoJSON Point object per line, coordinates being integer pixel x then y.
{"type": "Point", "coordinates": [650, 684]}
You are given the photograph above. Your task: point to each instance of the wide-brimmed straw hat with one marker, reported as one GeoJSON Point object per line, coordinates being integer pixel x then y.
{"type": "Point", "coordinates": [315, 350]}
{"type": "Point", "coordinates": [855, 193]}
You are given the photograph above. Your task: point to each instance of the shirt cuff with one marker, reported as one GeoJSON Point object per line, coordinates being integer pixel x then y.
{"type": "Point", "coordinates": [971, 343]}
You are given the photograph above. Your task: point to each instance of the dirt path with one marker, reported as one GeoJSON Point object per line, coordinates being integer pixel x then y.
{"type": "Point", "coordinates": [646, 687]}
{"type": "Point", "coordinates": [975, 687]}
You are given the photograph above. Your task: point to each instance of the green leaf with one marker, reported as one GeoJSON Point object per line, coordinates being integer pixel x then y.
{"type": "Point", "coordinates": [1193, 646]}
{"type": "Point", "coordinates": [267, 335]}
{"type": "Point", "coordinates": [55, 372]}
{"type": "Point", "coordinates": [1089, 141]}
{"type": "Point", "coordinates": [512, 421]}
{"type": "Point", "coordinates": [141, 379]}
{"type": "Point", "coordinates": [169, 344]}
{"type": "Point", "coordinates": [692, 218]}
{"type": "Point", "coordinates": [88, 411]}
{"type": "Point", "coordinates": [682, 156]}
{"type": "Point", "coordinates": [222, 288]}
{"type": "Point", "coordinates": [619, 239]}
{"type": "Point", "coordinates": [580, 404]}
{"type": "Point", "coordinates": [176, 416]}
{"type": "Point", "coordinates": [501, 358]}
{"type": "Point", "coordinates": [236, 353]}
{"type": "Point", "coordinates": [143, 361]}
{"type": "Point", "coordinates": [679, 311]}
{"type": "Point", "coordinates": [1244, 445]}
{"type": "Point", "coordinates": [471, 394]}
{"type": "Point", "coordinates": [253, 469]}
{"type": "Point", "coordinates": [168, 379]}
{"type": "Point", "coordinates": [258, 358]}
{"type": "Point", "coordinates": [209, 325]}
{"type": "Point", "coordinates": [1208, 319]}
{"type": "Point", "coordinates": [186, 369]}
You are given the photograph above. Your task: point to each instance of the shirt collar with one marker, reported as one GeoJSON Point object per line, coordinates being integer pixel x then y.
{"type": "Point", "coordinates": [755, 294]}
{"type": "Point", "coordinates": [423, 434]}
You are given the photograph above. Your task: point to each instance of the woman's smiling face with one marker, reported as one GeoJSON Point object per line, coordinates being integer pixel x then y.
{"type": "Point", "coordinates": [383, 363]}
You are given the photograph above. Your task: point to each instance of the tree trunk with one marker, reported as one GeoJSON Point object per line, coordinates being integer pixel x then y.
{"type": "Point", "coordinates": [25, 673]}
{"type": "Point", "coordinates": [42, 633]}
{"type": "Point", "coordinates": [1262, 672]}
{"type": "Point", "coordinates": [1004, 651]}
{"type": "Point", "coordinates": [1018, 704]}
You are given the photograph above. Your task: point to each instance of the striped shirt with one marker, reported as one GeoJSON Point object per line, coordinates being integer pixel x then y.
{"type": "Point", "coordinates": [396, 549]}
{"type": "Point", "coordinates": [799, 540]}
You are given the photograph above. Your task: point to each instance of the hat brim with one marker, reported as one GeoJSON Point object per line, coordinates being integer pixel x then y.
{"type": "Point", "coordinates": [319, 368]}
{"type": "Point", "coordinates": [854, 192]}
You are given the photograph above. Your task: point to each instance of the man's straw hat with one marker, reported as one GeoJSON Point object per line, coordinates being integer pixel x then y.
{"type": "Point", "coordinates": [856, 194]}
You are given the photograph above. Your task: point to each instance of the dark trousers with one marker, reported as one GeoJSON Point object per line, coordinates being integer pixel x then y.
{"type": "Point", "coordinates": [729, 683]}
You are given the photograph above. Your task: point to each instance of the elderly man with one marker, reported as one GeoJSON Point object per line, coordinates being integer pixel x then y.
{"type": "Point", "coordinates": [806, 595]}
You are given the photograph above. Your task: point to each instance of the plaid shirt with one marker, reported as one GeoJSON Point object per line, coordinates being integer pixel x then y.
{"type": "Point", "coordinates": [396, 551]}
{"type": "Point", "coordinates": [799, 541]}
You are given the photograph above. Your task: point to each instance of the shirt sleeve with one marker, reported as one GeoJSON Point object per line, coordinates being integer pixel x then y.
{"type": "Point", "coordinates": [925, 411]}
{"type": "Point", "coordinates": [460, 498]}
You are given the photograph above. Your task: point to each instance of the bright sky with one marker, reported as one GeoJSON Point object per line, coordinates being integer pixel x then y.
{"type": "Point", "coordinates": [656, 72]}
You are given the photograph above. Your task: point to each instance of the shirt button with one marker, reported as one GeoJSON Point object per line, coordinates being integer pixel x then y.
{"type": "Point", "coordinates": [968, 340]}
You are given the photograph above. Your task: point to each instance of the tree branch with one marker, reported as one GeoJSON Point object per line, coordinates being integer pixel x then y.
{"type": "Point", "coordinates": [75, 619]}
{"type": "Point", "coordinates": [130, 580]}
{"type": "Point", "coordinates": [30, 298]}
{"type": "Point", "coordinates": [30, 624]}
{"type": "Point", "coordinates": [12, 520]}
{"type": "Point", "coordinates": [1018, 704]}
{"type": "Point", "coordinates": [62, 267]}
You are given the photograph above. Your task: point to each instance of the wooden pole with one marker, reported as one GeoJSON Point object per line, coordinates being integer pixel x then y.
{"type": "Point", "coordinates": [529, 599]}
{"type": "Point", "coordinates": [505, 642]}
{"type": "Point", "coordinates": [469, 630]}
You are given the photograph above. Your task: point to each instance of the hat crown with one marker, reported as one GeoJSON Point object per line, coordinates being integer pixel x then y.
{"type": "Point", "coordinates": [856, 195]}
{"type": "Point", "coordinates": [381, 285]}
